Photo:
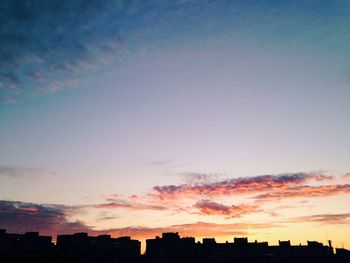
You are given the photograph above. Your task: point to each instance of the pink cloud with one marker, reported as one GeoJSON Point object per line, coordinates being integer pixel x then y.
{"type": "Point", "coordinates": [207, 207]}
{"type": "Point", "coordinates": [346, 176]}
{"type": "Point", "coordinates": [305, 191]}
{"type": "Point", "coordinates": [238, 186]}
{"type": "Point", "coordinates": [325, 218]}
{"type": "Point", "coordinates": [203, 192]}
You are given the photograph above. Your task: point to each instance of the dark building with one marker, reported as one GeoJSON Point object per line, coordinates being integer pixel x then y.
{"type": "Point", "coordinates": [234, 251]}
{"type": "Point", "coordinates": [80, 247]}
{"type": "Point", "coordinates": [171, 248]}
{"type": "Point", "coordinates": [342, 255]}
{"type": "Point", "coordinates": [28, 240]}
{"type": "Point", "coordinates": [28, 247]}
{"type": "Point", "coordinates": [284, 243]}
{"type": "Point", "coordinates": [312, 252]}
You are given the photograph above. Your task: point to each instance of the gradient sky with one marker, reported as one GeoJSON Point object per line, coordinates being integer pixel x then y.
{"type": "Point", "coordinates": [211, 118]}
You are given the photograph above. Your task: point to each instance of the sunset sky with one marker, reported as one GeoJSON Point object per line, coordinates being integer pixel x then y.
{"type": "Point", "coordinates": [209, 118]}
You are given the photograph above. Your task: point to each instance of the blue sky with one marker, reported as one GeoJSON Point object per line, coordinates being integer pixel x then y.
{"type": "Point", "coordinates": [105, 98]}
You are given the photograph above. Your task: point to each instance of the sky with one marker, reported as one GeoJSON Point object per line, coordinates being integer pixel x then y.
{"type": "Point", "coordinates": [209, 118]}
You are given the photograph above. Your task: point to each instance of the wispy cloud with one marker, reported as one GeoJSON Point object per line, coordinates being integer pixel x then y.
{"type": "Point", "coordinates": [346, 176]}
{"type": "Point", "coordinates": [122, 204]}
{"type": "Point", "coordinates": [305, 191]}
{"type": "Point", "coordinates": [325, 218]}
{"type": "Point", "coordinates": [160, 163]}
{"type": "Point", "coordinates": [62, 39]}
{"type": "Point", "coordinates": [44, 42]}
{"type": "Point", "coordinates": [207, 207]}
{"type": "Point", "coordinates": [23, 172]}
{"type": "Point", "coordinates": [200, 178]}
{"type": "Point", "coordinates": [239, 186]}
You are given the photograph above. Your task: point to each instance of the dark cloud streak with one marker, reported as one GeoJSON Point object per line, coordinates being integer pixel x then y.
{"type": "Point", "coordinates": [130, 205]}
{"type": "Point", "coordinates": [19, 217]}
{"type": "Point", "coordinates": [22, 172]}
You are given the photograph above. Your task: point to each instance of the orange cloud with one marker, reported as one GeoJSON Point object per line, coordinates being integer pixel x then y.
{"type": "Point", "coordinates": [202, 192]}
{"type": "Point", "coordinates": [212, 208]}
{"type": "Point", "coordinates": [238, 186]}
{"type": "Point", "coordinates": [305, 191]}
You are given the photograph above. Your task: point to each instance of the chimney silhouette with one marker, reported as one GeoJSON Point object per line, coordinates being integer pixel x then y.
{"type": "Point", "coordinates": [331, 251]}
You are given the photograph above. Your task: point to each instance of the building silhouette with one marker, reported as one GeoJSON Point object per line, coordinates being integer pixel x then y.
{"type": "Point", "coordinates": [170, 247]}
{"type": "Point", "coordinates": [28, 247]}
{"type": "Point", "coordinates": [80, 247]}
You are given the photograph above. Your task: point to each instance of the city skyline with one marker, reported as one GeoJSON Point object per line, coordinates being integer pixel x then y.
{"type": "Point", "coordinates": [170, 247]}
{"type": "Point", "coordinates": [207, 118]}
